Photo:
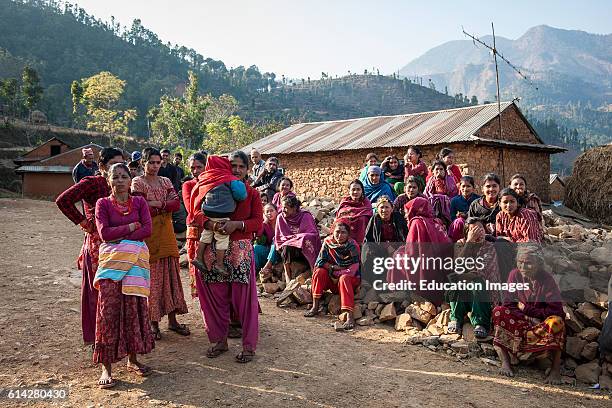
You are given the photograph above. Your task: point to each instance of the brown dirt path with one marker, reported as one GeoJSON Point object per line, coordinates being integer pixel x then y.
{"type": "Point", "coordinates": [299, 363]}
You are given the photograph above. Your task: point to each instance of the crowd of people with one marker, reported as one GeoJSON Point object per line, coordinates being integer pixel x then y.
{"type": "Point", "coordinates": [244, 225]}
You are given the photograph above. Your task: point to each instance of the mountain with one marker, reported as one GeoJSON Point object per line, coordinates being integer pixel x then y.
{"type": "Point", "coordinates": [64, 43]}
{"type": "Point", "coordinates": [570, 71]}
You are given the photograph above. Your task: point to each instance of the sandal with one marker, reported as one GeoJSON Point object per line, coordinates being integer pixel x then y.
{"type": "Point", "coordinates": [480, 331]}
{"type": "Point", "coordinates": [215, 351]}
{"type": "Point", "coordinates": [141, 369]}
{"type": "Point", "coordinates": [156, 333]}
{"type": "Point", "coordinates": [106, 383]}
{"type": "Point", "coordinates": [180, 329]}
{"type": "Point", "coordinates": [346, 326]}
{"type": "Point", "coordinates": [245, 356]}
{"type": "Point", "coordinates": [454, 327]}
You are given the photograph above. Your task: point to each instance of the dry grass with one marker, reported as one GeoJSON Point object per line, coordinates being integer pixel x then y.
{"type": "Point", "coordinates": [589, 189]}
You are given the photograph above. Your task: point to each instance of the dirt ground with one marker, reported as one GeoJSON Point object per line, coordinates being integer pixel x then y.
{"type": "Point", "coordinates": [299, 363]}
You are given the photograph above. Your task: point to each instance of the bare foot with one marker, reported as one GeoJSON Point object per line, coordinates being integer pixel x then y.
{"type": "Point", "coordinates": [553, 378]}
{"type": "Point", "coordinates": [506, 370]}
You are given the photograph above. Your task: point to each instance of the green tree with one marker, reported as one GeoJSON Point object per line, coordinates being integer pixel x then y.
{"type": "Point", "coordinates": [30, 88]}
{"type": "Point", "coordinates": [101, 95]}
{"type": "Point", "coordinates": [9, 91]}
{"type": "Point", "coordinates": [231, 133]}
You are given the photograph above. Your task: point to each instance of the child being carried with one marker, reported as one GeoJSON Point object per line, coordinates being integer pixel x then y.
{"type": "Point", "coordinates": [219, 190]}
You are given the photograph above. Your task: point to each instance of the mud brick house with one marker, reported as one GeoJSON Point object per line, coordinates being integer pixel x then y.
{"type": "Point", "coordinates": [48, 176]}
{"type": "Point", "coordinates": [557, 187]}
{"type": "Point", "coordinates": [323, 157]}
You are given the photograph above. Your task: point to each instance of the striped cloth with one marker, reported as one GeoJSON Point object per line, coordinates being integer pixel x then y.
{"type": "Point", "coordinates": [126, 261]}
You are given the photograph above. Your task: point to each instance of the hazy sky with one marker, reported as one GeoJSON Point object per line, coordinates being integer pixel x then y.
{"type": "Point", "coordinates": [304, 38]}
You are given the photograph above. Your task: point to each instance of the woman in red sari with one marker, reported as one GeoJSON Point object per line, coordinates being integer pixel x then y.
{"type": "Point", "coordinates": [426, 237]}
{"type": "Point", "coordinates": [356, 210]}
{"type": "Point", "coordinates": [194, 226]}
{"type": "Point", "coordinates": [166, 297]}
{"type": "Point", "coordinates": [89, 190]}
{"type": "Point", "coordinates": [337, 269]}
{"type": "Point", "coordinates": [530, 321]}
{"type": "Point", "coordinates": [122, 279]}
{"type": "Point", "coordinates": [514, 223]}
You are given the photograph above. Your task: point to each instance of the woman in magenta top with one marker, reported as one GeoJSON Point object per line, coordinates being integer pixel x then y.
{"type": "Point", "coordinates": [285, 189]}
{"type": "Point", "coordinates": [122, 316]}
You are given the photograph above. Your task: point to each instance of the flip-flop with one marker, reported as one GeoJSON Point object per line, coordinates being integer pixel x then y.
{"type": "Point", "coordinates": [454, 327]}
{"type": "Point", "coordinates": [106, 383]}
{"type": "Point", "coordinates": [180, 329]}
{"type": "Point", "coordinates": [141, 370]}
{"type": "Point", "coordinates": [215, 352]}
{"type": "Point", "coordinates": [311, 313]}
{"type": "Point", "coordinates": [245, 356]}
{"type": "Point", "coordinates": [480, 331]}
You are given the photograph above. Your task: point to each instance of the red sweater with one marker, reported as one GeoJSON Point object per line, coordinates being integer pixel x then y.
{"type": "Point", "coordinates": [250, 211]}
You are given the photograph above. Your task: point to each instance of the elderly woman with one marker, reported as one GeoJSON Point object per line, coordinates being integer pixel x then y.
{"type": "Point", "coordinates": [296, 236]}
{"type": "Point", "coordinates": [393, 173]}
{"type": "Point", "coordinates": [285, 189]}
{"type": "Point", "coordinates": [89, 190]}
{"type": "Point", "coordinates": [337, 269]}
{"type": "Point", "coordinates": [166, 296]}
{"type": "Point", "coordinates": [530, 320]}
{"type": "Point", "coordinates": [355, 210]}
{"type": "Point", "coordinates": [375, 186]}
{"type": "Point", "coordinates": [197, 161]}
{"type": "Point", "coordinates": [527, 199]}
{"type": "Point", "coordinates": [122, 279]}
{"type": "Point", "coordinates": [514, 223]}
{"type": "Point", "coordinates": [459, 206]}
{"type": "Point", "coordinates": [486, 207]}
{"type": "Point", "coordinates": [411, 190]}
{"type": "Point", "coordinates": [474, 303]}
{"type": "Point", "coordinates": [236, 290]}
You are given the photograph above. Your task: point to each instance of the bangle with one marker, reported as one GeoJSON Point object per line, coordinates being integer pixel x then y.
{"type": "Point", "coordinates": [243, 226]}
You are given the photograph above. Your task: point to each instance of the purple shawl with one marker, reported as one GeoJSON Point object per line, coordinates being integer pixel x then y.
{"type": "Point", "coordinates": [451, 187]}
{"type": "Point", "coordinates": [299, 231]}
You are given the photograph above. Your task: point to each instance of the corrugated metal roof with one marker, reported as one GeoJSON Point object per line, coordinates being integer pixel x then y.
{"type": "Point", "coordinates": [427, 128]}
{"type": "Point", "coordinates": [44, 169]}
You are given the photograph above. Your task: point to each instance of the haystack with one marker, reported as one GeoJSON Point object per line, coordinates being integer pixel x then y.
{"type": "Point", "coordinates": [589, 189]}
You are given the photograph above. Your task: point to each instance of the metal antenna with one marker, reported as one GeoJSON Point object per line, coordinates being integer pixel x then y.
{"type": "Point", "coordinates": [496, 54]}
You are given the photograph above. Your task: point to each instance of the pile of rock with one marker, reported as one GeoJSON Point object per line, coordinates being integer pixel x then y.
{"type": "Point", "coordinates": [324, 211]}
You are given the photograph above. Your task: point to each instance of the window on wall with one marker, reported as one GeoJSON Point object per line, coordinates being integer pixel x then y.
{"type": "Point", "coordinates": [55, 150]}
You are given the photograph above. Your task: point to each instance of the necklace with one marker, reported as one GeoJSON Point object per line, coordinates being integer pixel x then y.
{"type": "Point", "coordinates": [121, 207]}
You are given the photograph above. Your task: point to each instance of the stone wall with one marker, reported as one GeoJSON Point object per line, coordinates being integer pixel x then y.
{"type": "Point", "coordinates": [327, 174]}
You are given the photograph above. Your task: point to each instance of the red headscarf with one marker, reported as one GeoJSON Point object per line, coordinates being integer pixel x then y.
{"type": "Point", "coordinates": [218, 170]}
{"type": "Point", "coordinates": [422, 226]}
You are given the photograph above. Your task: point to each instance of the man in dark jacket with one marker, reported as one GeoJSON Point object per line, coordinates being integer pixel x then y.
{"type": "Point", "coordinates": [86, 167]}
{"type": "Point", "coordinates": [267, 181]}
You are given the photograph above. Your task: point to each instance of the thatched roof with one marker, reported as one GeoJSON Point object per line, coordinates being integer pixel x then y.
{"type": "Point", "coordinates": [589, 189]}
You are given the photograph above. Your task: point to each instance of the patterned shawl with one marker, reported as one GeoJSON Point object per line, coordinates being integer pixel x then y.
{"type": "Point", "coordinates": [299, 231]}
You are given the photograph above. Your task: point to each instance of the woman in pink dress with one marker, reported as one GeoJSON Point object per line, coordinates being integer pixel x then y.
{"type": "Point", "coordinates": [166, 296]}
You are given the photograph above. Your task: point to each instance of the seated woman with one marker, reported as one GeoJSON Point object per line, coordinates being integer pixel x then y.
{"type": "Point", "coordinates": [486, 207]}
{"type": "Point", "coordinates": [371, 160]}
{"type": "Point", "coordinates": [423, 230]}
{"type": "Point", "coordinates": [415, 166]}
{"type": "Point", "coordinates": [514, 223]}
{"type": "Point", "coordinates": [122, 278]}
{"type": "Point", "coordinates": [265, 237]}
{"type": "Point", "coordinates": [296, 236]}
{"type": "Point", "coordinates": [475, 302]}
{"type": "Point", "coordinates": [375, 187]}
{"type": "Point", "coordinates": [530, 321]}
{"type": "Point", "coordinates": [394, 173]}
{"type": "Point", "coordinates": [440, 188]}
{"type": "Point", "coordinates": [527, 199]}
{"type": "Point", "coordinates": [412, 189]}
{"type": "Point", "coordinates": [386, 225]}
{"type": "Point", "coordinates": [459, 206]}
{"type": "Point", "coordinates": [447, 156]}
{"type": "Point", "coordinates": [355, 210]}
{"type": "Point", "coordinates": [337, 269]}
{"type": "Point", "coordinates": [285, 189]}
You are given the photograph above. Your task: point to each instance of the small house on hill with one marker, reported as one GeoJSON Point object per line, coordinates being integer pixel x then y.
{"type": "Point", "coordinates": [557, 187]}
{"type": "Point", "coordinates": [323, 157]}
{"type": "Point", "coordinates": [51, 147]}
{"type": "Point", "coordinates": [49, 177]}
